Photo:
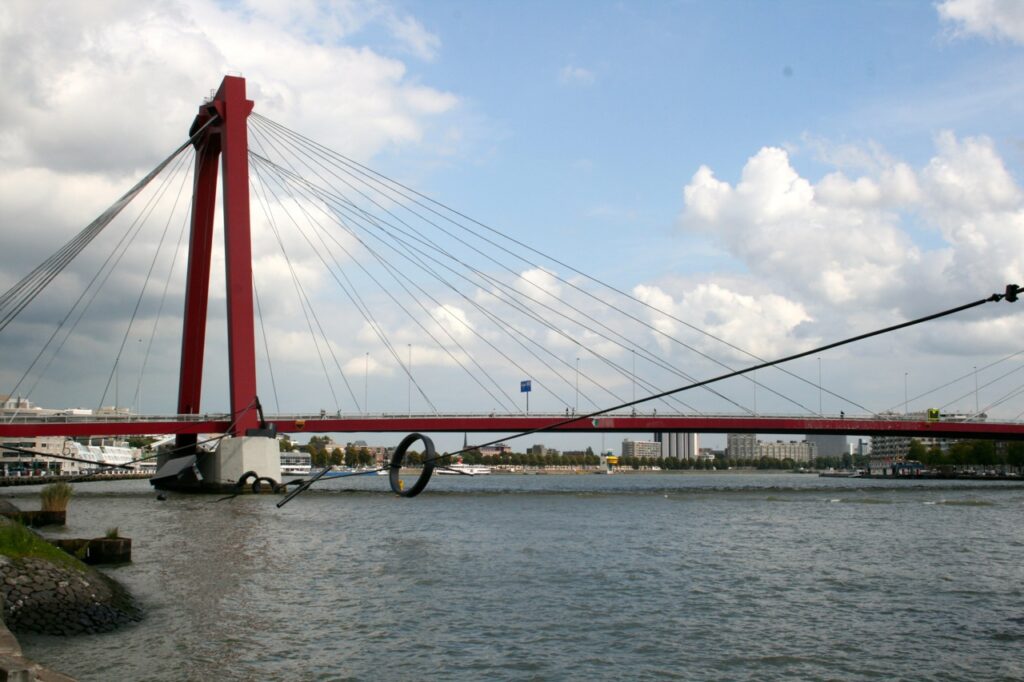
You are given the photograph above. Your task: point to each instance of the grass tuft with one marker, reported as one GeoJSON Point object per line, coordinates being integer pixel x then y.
{"type": "Point", "coordinates": [56, 495]}
{"type": "Point", "coordinates": [17, 541]}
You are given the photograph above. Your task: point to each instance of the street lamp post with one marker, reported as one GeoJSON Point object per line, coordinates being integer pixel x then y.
{"type": "Point", "coordinates": [366, 384]}
{"type": "Point", "coordinates": [976, 409]}
{"type": "Point", "coordinates": [409, 345]}
{"type": "Point", "coordinates": [138, 405]}
{"type": "Point", "coordinates": [634, 375]}
{"type": "Point", "coordinates": [819, 386]}
{"type": "Point", "coordinates": [577, 384]}
{"type": "Point", "coordinates": [906, 410]}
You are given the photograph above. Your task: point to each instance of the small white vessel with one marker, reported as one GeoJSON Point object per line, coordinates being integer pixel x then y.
{"type": "Point", "coordinates": [296, 464]}
{"type": "Point", "coordinates": [462, 469]}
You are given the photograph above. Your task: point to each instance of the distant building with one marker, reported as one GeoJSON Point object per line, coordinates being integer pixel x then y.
{"type": "Point", "coordinates": [496, 449]}
{"type": "Point", "coordinates": [889, 451]}
{"type": "Point", "coordinates": [741, 446]}
{"type": "Point", "coordinates": [641, 448]}
{"type": "Point", "coordinates": [746, 447]}
{"type": "Point", "coordinates": [798, 451]}
{"type": "Point", "coordinates": [679, 445]}
{"type": "Point", "coordinates": [52, 452]}
{"type": "Point", "coordinates": [828, 444]}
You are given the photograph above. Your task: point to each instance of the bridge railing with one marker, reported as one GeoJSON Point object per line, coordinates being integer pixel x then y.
{"type": "Point", "coordinates": [70, 418]}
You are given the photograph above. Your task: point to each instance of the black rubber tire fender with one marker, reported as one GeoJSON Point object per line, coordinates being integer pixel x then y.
{"type": "Point", "coordinates": [395, 467]}
{"type": "Point", "coordinates": [257, 485]}
{"type": "Point", "coordinates": [241, 483]}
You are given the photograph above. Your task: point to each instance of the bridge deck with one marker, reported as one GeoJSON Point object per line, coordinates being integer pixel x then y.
{"type": "Point", "coordinates": [626, 423]}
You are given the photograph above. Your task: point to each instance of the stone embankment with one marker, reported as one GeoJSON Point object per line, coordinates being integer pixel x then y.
{"type": "Point", "coordinates": [53, 595]}
{"type": "Point", "coordinates": [17, 668]}
{"type": "Point", "coordinates": [48, 598]}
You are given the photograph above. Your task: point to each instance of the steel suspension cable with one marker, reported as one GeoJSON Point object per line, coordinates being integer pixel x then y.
{"type": "Point", "coordinates": [261, 141]}
{"type": "Point", "coordinates": [304, 302]}
{"type": "Point", "coordinates": [399, 280]}
{"type": "Point", "coordinates": [383, 180]}
{"type": "Point", "coordinates": [159, 312]}
{"type": "Point", "coordinates": [266, 344]}
{"type": "Point", "coordinates": [1010, 295]}
{"type": "Point", "coordinates": [401, 284]}
{"type": "Point", "coordinates": [986, 385]}
{"type": "Point", "coordinates": [418, 264]}
{"type": "Point", "coordinates": [361, 216]}
{"type": "Point", "coordinates": [959, 378]}
{"type": "Point", "coordinates": [149, 273]}
{"type": "Point", "coordinates": [353, 294]}
{"type": "Point", "coordinates": [141, 222]}
{"type": "Point", "coordinates": [629, 345]}
{"type": "Point", "coordinates": [15, 299]}
{"type": "Point", "coordinates": [91, 290]}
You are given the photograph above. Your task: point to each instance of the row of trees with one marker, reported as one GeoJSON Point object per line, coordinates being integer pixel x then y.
{"type": "Point", "coordinates": [670, 463]}
{"type": "Point", "coordinates": [969, 454]}
{"type": "Point", "coordinates": [962, 454]}
{"type": "Point", "coordinates": [322, 455]}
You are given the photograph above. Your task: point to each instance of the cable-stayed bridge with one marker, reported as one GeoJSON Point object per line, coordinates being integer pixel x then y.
{"type": "Point", "coordinates": [410, 278]}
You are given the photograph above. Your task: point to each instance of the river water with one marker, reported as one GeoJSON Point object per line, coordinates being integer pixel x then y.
{"type": "Point", "coordinates": [664, 576]}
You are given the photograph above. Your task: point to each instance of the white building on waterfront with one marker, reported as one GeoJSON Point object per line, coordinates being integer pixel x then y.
{"type": "Point", "coordinates": [887, 451]}
{"type": "Point", "coordinates": [746, 447]}
{"type": "Point", "coordinates": [679, 445]}
{"type": "Point", "coordinates": [46, 454]}
{"type": "Point", "coordinates": [741, 446]}
{"type": "Point", "coordinates": [641, 448]}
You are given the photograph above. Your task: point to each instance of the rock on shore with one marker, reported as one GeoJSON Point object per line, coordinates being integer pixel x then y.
{"type": "Point", "coordinates": [50, 598]}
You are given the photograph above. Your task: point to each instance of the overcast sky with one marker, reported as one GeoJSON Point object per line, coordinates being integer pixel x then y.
{"type": "Point", "coordinates": [779, 173]}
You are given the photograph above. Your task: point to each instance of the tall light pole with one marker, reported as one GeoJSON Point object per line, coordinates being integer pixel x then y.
{"type": "Point", "coordinates": [976, 391]}
{"type": "Point", "coordinates": [138, 406]}
{"type": "Point", "coordinates": [906, 411]}
{"type": "Point", "coordinates": [634, 375]}
{"type": "Point", "coordinates": [819, 386]}
{"type": "Point", "coordinates": [578, 384]}
{"type": "Point", "coordinates": [366, 384]}
{"type": "Point", "coordinates": [409, 345]}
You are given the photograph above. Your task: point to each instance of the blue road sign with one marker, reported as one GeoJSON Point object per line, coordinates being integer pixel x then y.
{"type": "Point", "coordinates": [525, 386]}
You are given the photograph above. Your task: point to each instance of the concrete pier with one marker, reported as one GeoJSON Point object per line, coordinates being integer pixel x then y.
{"type": "Point", "coordinates": [223, 470]}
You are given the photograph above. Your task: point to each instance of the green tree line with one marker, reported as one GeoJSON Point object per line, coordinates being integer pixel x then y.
{"type": "Point", "coordinates": [322, 455]}
{"type": "Point", "coordinates": [970, 454]}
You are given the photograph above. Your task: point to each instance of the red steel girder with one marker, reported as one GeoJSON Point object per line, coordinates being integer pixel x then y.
{"type": "Point", "coordinates": [515, 424]}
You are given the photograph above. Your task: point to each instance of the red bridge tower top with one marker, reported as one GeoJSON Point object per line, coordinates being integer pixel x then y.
{"type": "Point", "coordinates": [225, 139]}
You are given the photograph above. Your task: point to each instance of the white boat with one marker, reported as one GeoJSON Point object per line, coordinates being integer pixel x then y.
{"type": "Point", "coordinates": [296, 464]}
{"type": "Point", "coordinates": [99, 458]}
{"type": "Point", "coordinates": [461, 469]}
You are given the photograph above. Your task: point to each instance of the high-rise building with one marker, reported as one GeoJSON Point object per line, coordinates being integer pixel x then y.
{"type": "Point", "coordinates": [829, 444]}
{"type": "Point", "coordinates": [741, 446]}
{"type": "Point", "coordinates": [678, 445]}
{"type": "Point", "coordinates": [641, 448]}
{"type": "Point", "coordinates": [745, 446]}
{"type": "Point", "coordinates": [898, 446]}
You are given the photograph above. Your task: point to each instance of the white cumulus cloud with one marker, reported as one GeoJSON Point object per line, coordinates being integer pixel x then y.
{"type": "Point", "coordinates": [988, 18]}
{"type": "Point", "coordinates": [843, 245]}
